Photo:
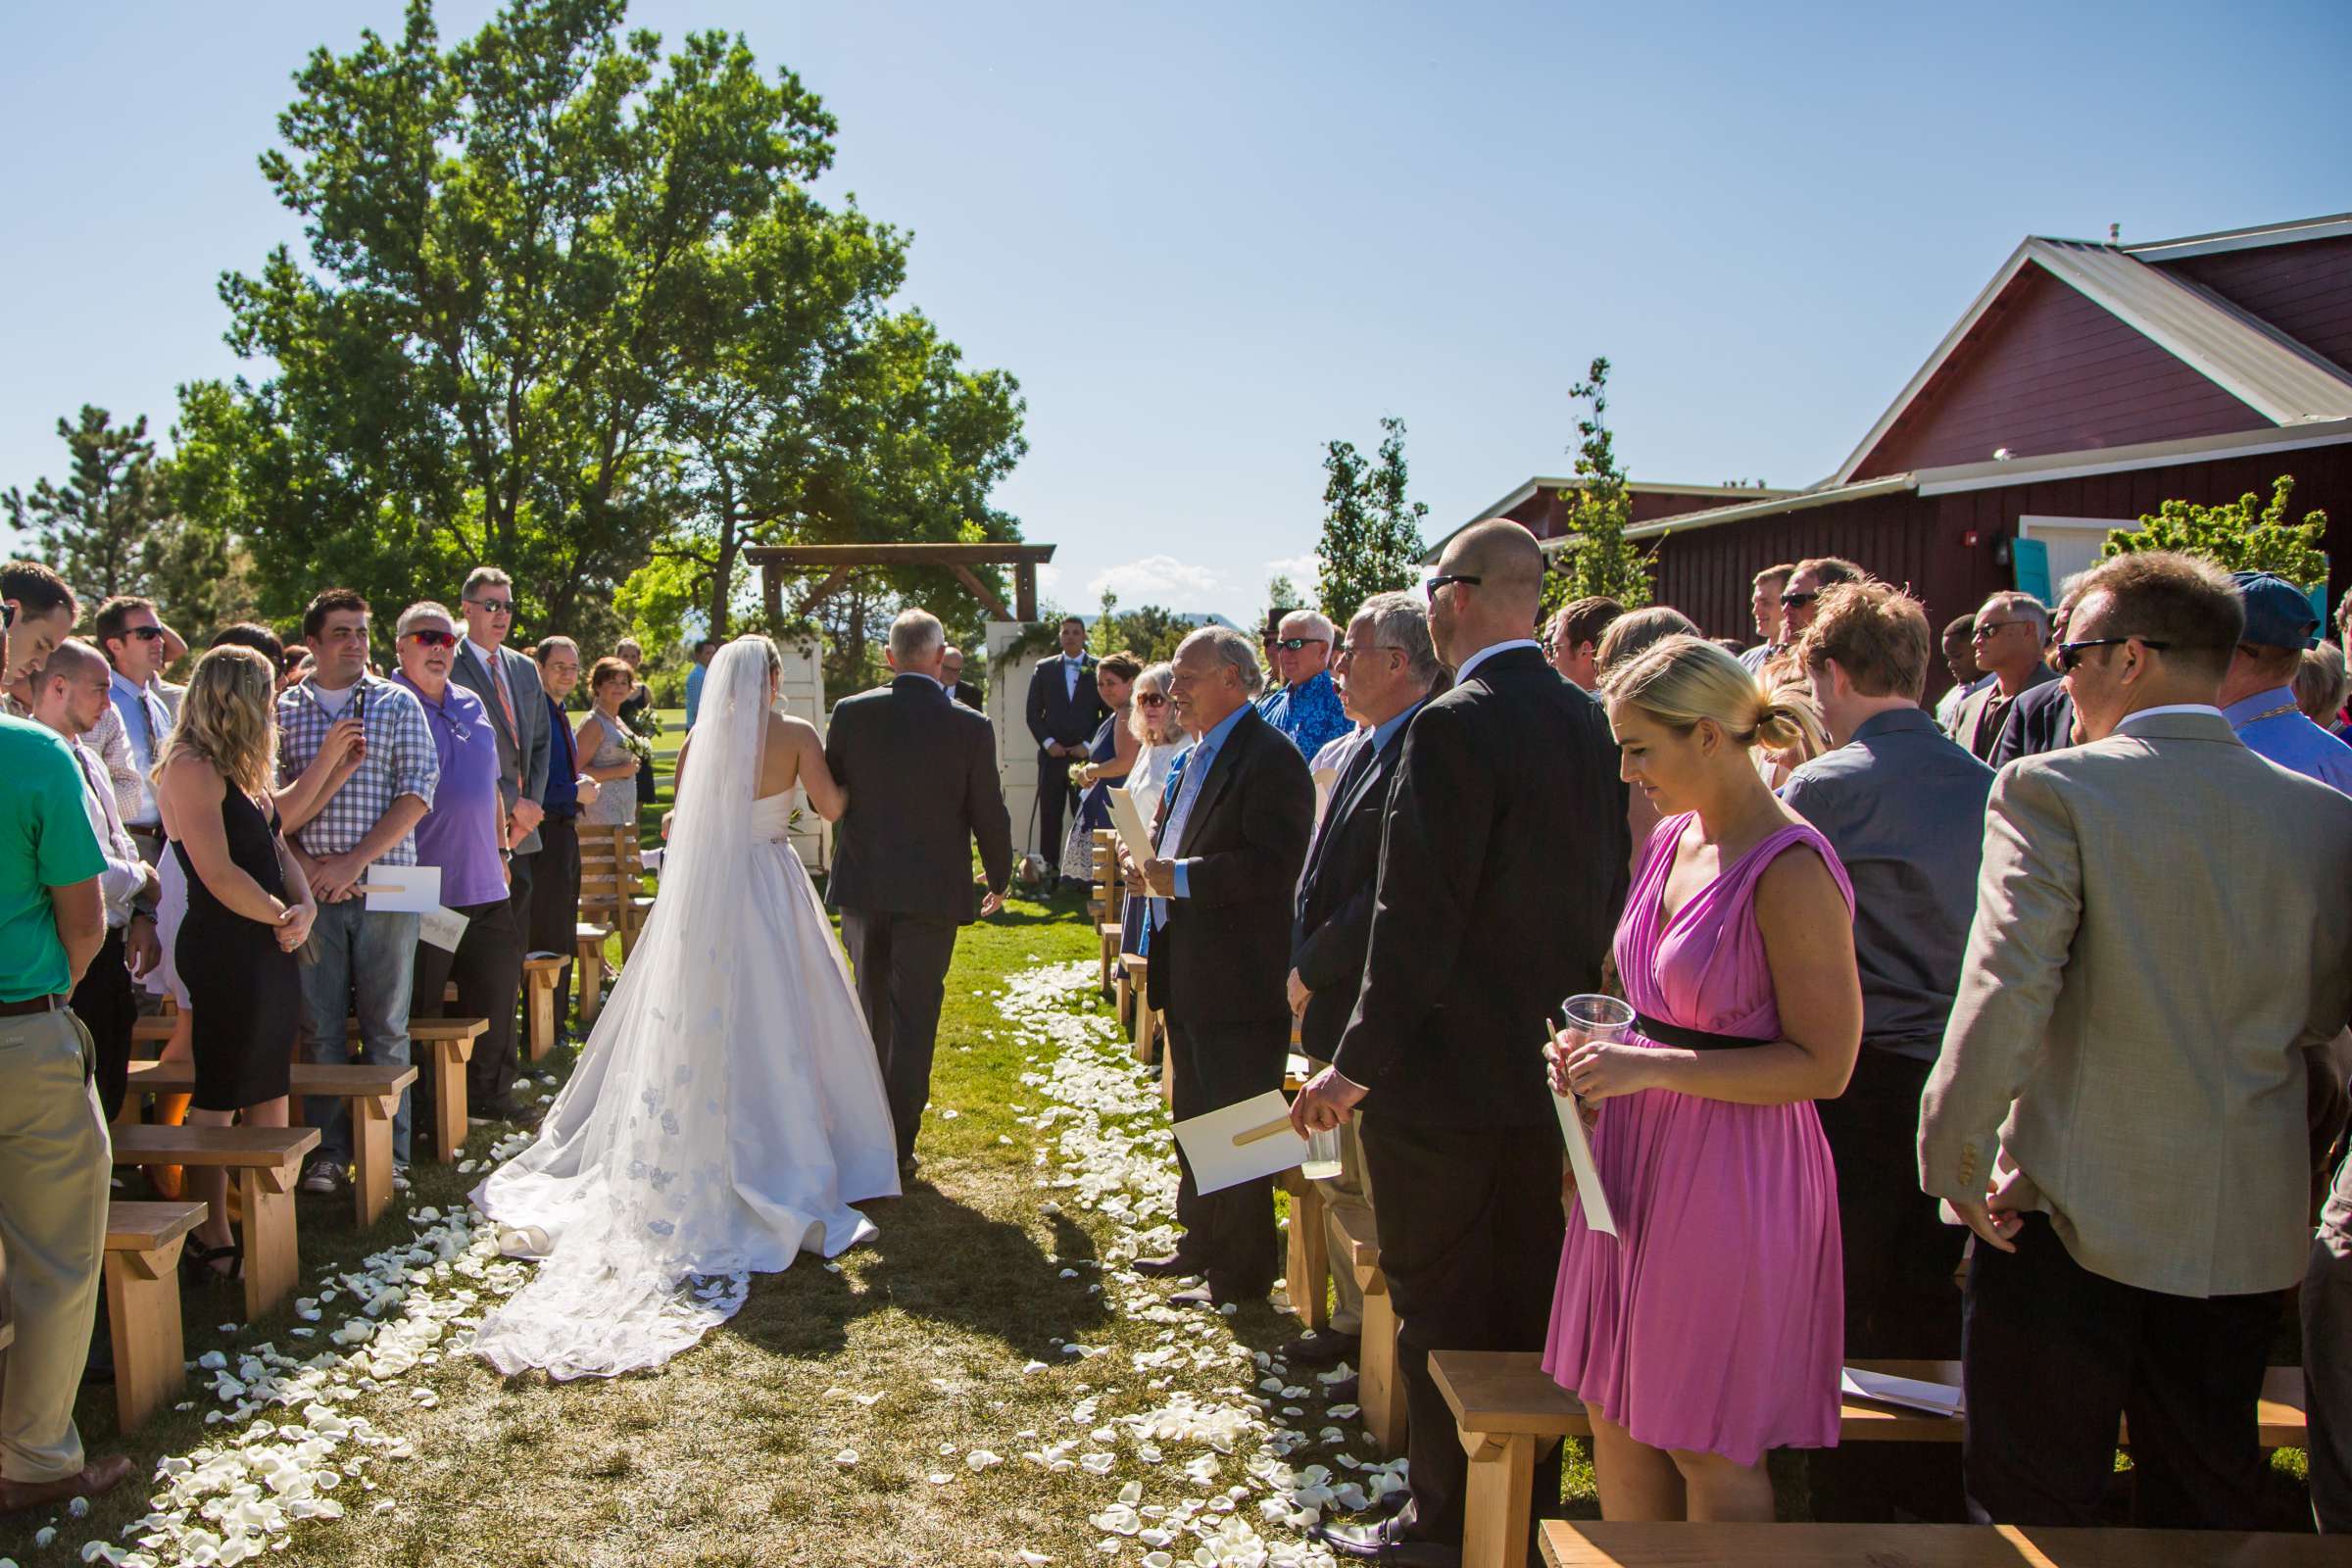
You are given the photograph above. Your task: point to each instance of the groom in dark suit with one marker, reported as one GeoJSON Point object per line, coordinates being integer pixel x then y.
{"type": "Point", "coordinates": [1064, 711]}
{"type": "Point", "coordinates": [1230, 840]}
{"type": "Point", "coordinates": [1501, 869]}
{"type": "Point", "coordinates": [922, 775]}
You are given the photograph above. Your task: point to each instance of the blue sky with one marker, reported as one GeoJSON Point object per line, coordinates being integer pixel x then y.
{"type": "Point", "coordinates": [1208, 238]}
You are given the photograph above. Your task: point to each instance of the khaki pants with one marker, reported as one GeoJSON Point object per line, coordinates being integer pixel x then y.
{"type": "Point", "coordinates": [1349, 1192]}
{"type": "Point", "coordinates": [54, 1165]}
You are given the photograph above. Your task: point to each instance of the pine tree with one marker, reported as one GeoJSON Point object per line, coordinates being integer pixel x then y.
{"type": "Point", "coordinates": [1371, 540]}
{"type": "Point", "coordinates": [1597, 560]}
{"type": "Point", "coordinates": [91, 530]}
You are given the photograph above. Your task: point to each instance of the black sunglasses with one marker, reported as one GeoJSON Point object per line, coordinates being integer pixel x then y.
{"type": "Point", "coordinates": [434, 637]}
{"type": "Point", "coordinates": [2070, 654]}
{"type": "Point", "coordinates": [1435, 583]}
{"type": "Point", "coordinates": [1294, 644]}
{"type": "Point", "coordinates": [8, 613]}
{"type": "Point", "coordinates": [1791, 601]}
{"type": "Point", "coordinates": [145, 634]}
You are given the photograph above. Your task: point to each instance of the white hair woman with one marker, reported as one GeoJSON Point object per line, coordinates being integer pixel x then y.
{"type": "Point", "coordinates": [1710, 1329]}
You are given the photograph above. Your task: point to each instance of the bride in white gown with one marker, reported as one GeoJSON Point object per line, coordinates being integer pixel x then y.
{"type": "Point", "coordinates": [727, 1110]}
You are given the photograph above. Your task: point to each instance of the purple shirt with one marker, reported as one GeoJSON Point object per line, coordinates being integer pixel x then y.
{"type": "Point", "coordinates": [460, 834]}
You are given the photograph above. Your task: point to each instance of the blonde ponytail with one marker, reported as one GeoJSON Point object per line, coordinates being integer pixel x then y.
{"type": "Point", "coordinates": [1684, 679]}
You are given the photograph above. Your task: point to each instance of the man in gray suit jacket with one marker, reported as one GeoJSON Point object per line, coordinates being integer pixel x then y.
{"type": "Point", "coordinates": [921, 774]}
{"type": "Point", "coordinates": [508, 683]}
{"type": "Point", "coordinates": [2118, 1111]}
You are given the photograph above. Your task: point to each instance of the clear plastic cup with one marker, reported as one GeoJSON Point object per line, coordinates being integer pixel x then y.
{"type": "Point", "coordinates": [1597, 1017]}
{"type": "Point", "coordinates": [1322, 1163]}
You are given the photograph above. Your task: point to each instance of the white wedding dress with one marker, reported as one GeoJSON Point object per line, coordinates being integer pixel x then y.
{"type": "Point", "coordinates": [727, 1110]}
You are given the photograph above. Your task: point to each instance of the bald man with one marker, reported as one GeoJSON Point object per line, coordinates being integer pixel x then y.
{"type": "Point", "coordinates": [1501, 868]}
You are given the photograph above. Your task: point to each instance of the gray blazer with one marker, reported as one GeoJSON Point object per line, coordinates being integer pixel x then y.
{"type": "Point", "coordinates": [521, 758]}
{"type": "Point", "coordinates": [2160, 936]}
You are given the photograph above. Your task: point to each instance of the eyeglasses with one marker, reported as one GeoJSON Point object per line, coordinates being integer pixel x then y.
{"type": "Point", "coordinates": [2070, 654]}
{"type": "Point", "coordinates": [496, 607]}
{"type": "Point", "coordinates": [1435, 583]}
{"type": "Point", "coordinates": [1152, 700]}
{"type": "Point", "coordinates": [145, 634]}
{"type": "Point", "coordinates": [434, 637]}
{"type": "Point", "coordinates": [1791, 601]}
{"type": "Point", "coordinates": [1292, 645]}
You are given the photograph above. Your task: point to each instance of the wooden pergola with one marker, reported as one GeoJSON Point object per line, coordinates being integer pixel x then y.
{"type": "Point", "coordinates": [839, 561]}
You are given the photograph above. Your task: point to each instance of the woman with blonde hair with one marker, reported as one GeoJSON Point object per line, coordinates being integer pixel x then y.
{"type": "Point", "coordinates": [1151, 720]}
{"type": "Point", "coordinates": [249, 909]}
{"type": "Point", "coordinates": [1710, 1328]}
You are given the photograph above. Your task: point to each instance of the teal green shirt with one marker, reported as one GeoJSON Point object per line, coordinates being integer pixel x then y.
{"type": "Point", "coordinates": [45, 842]}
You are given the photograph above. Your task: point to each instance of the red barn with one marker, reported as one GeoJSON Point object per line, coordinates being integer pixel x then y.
{"type": "Point", "coordinates": [2086, 385]}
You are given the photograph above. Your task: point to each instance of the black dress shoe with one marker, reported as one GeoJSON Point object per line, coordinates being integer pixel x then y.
{"type": "Point", "coordinates": [1385, 1542]}
{"type": "Point", "coordinates": [1174, 1266]}
{"type": "Point", "coordinates": [1324, 1348]}
{"type": "Point", "coordinates": [1198, 1296]}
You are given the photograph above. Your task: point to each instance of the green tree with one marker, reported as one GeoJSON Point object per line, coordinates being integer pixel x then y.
{"type": "Point", "coordinates": [1371, 540]}
{"type": "Point", "coordinates": [2241, 535]}
{"type": "Point", "coordinates": [1107, 624]}
{"type": "Point", "coordinates": [1598, 559]}
{"type": "Point", "coordinates": [113, 527]}
{"type": "Point", "coordinates": [570, 308]}
{"type": "Point", "coordinates": [1150, 633]}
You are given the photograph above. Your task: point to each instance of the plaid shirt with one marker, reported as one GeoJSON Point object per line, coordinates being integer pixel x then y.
{"type": "Point", "coordinates": [401, 761]}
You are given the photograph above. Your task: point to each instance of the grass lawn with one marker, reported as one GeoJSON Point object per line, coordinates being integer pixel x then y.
{"type": "Point", "coordinates": [950, 1333]}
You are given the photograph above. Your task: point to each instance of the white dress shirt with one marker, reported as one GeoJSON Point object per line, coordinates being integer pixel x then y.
{"type": "Point", "coordinates": [146, 723]}
{"type": "Point", "coordinates": [125, 873]}
{"type": "Point", "coordinates": [1489, 652]}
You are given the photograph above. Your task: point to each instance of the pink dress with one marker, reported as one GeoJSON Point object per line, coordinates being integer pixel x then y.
{"type": "Point", "coordinates": [1714, 1321]}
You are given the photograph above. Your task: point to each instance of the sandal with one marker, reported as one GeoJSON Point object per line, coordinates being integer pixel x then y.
{"type": "Point", "coordinates": [199, 1264]}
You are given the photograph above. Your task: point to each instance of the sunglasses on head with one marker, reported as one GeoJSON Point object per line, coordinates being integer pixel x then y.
{"type": "Point", "coordinates": [1294, 644]}
{"type": "Point", "coordinates": [434, 637]}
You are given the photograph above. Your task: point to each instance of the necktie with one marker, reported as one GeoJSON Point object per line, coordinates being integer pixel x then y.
{"type": "Point", "coordinates": [506, 697]}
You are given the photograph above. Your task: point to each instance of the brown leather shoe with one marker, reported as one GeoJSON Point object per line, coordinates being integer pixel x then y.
{"type": "Point", "coordinates": [90, 1481]}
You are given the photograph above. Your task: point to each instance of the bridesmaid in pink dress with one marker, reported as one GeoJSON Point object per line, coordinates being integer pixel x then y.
{"type": "Point", "coordinates": [1710, 1328]}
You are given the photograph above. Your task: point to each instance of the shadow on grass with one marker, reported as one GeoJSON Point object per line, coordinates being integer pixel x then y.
{"type": "Point", "coordinates": [943, 1261]}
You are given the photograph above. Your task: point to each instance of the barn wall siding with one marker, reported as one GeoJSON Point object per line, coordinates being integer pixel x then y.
{"type": "Point", "coordinates": [2303, 290]}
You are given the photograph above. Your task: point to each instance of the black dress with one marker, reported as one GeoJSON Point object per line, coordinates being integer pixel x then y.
{"type": "Point", "coordinates": [628, 711]}
{"type": "Point", "coordinates": [244, 991]}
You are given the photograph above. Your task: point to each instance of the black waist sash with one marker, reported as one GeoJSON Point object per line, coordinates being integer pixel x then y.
{"type": "Point", "coordinates": [1673, 1033]}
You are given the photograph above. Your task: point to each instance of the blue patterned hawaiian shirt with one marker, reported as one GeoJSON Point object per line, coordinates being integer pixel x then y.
{"type": "Point", "coordinates": [1308, 712]}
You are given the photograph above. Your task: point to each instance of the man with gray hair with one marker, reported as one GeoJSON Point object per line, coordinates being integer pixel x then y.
{"type": "Point", "coordinates": [1387, 668]}
{"type": "Point", "coordinates": [920, 771]}
{"type": "Point", "coordinates": [2011, 629]}
{"type": "Point", "coordinates": [1231, 838]}
{"type": "Point", "coordinates": [1307, 707]}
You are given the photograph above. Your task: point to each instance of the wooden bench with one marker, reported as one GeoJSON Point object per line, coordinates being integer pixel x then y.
{"type": "Point", "coordinates": [1379, 1389]}
{"type": "Point", "coordinates": [372, 1093]}
{"type": "Point", "coordinates": [613, 881]}
{"type": "Point", "coordinates": [1134, 989]}
{"type": "Point", "coordinates": [266, 1162]}
{"type": "Point", "coordinates": [1593, 1544]}
{"type": "Point", "coordinates": [588, 968]}
{"type": "Point", "coordinates": [142, 1305]}
{"type": "Point", "coordinates": [542, 982]}
{"type": "Point", "coordinates": [1506, 1410]}
{"type": "Point", "coordinates": [1103, 903]}
{"type": "Point", "coordinates": [449, 1044]}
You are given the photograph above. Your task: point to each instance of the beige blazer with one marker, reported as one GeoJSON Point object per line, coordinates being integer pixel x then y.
{"type": "Point", "coordinates": [2163, 927]}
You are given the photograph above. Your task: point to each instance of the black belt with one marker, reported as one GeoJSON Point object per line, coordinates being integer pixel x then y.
{"type": "Point", "coordinates": [1673, 1033]}
{"type": "Point", "coordinates": [34, 1004]}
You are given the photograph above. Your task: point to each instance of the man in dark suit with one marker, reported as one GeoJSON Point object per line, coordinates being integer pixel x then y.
{"type": "Point", "coordinates": [1064, 711]}
{"type": "Point", "coordinates": [1231, 838]}
{"type": "Point", "coordinates": [2042, 718]}
{"type": "Point", "coordinates": [951, 675]}
{"type": "Point", "coordinates": [922, 776]}
{"type": "Point", "coordinates": [1386, 668]}
{"type": "Point", "coordinates": [508, 683]}
{"type": "Point", "coordinates": [1501, 869]}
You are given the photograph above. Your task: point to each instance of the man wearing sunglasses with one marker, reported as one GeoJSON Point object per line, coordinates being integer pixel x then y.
{"type": "Point", "coordinates": [2118, 1110]}
{"type": "Point", "coordinates": [1307, 707]}
{"type": "Point", "coordinates": [508, 684]}
{"type": "Point", "coordinates": [2012, 628]}
{"type": "Point", "coordinates": [132, 637]}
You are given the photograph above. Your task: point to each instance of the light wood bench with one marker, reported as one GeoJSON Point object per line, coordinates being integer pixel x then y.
{"type": "Point", "coordinates": [1379, 1389]}
{"type": "Point", "coordinates": [1102, 905]}
{"type": "Point", "coordinates": [1506, 1410]}
{"type": "Point", "coordinates": [1593, 1544]}
{"type": "Point", "coordinates": [542, 978]}
{"type": "Point", "coordinates": [142, 1305]}
{"type": "Point", "coordinates": [372, 1094]}
{"type": "Point", "coordinates": [266, 1162]}
{"type": "Point", "coordinates": [449, 1044]}
{"type": "Point", "coordinates": [1133, 988]}
{"type": "Point", "coordinates": [588, 968]}
{"type": "Point", "coordinates": [1307, 1272]}
{"type": "Point", "coordinates": [613, 882]}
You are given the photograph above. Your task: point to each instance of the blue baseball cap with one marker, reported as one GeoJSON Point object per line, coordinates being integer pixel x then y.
{"type": "Point", "coordinates": [2278, 615]}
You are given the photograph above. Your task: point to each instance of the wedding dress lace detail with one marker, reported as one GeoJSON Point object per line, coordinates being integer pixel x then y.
{"type": "Point", "coordinates": [726, 1111]}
